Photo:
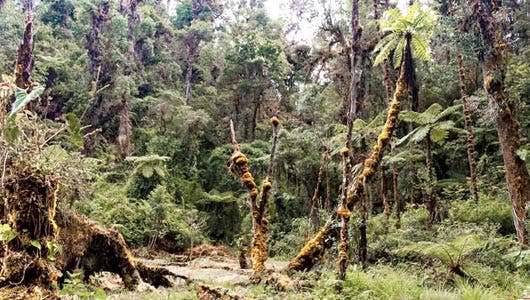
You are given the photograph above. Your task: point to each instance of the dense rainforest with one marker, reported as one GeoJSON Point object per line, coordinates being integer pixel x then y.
{"type": "Point", "coordinates": [209, 149]}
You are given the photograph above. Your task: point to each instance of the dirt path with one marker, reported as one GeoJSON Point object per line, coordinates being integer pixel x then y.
{"type": "Point", "coordinates": [212, 269]}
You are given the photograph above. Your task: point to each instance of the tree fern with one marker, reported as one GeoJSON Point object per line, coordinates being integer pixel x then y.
{"type": "Point", "coordinates": [417, 23]}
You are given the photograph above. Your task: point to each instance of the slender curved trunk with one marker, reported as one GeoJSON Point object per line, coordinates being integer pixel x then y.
{"type": "Point", "coordinates": [313, 250]}
{"type": "Point", "coordinates": [431, 197]}
{"type": "Point", "coordinates": [354, 107]}
{"type": "Point", "coordinates": [189, 73]}
{"type": "Point", "coordinates": [384, 195]}
{"type": "Point", "coordinates": [313, 217]}
{"type": "Point", "coordinates": [469, 130]}
{"type": "Point", "coordinates": [493, 62]}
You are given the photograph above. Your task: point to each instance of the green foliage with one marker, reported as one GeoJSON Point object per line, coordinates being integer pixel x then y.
{"type": "Point", "coordinates": [11, 131]}
{"type": "Point", "coordinates": [448, 252]}
{"type": "Point", "coordinates": [54, 248]}
{"type": "Point", "coordinates": [149, 172]}
{"type": "Point", "coordinates": [6, 233]}
{"type": "Point", "coordinates": [286, 242]}
{"type": "Point", "coordinates": [22, 98]}
{"type": "Point", "coordinates": [418, 22]}
{"type": "Point", "coordinates": [146, 220]}
{"type": "Point", "coordinates": [490, 209]}
{"type": "Point", "coordinates": [431, 124]}
{"type": "Point", "coordinates": [74, 129]}
{"type": "Point", "coordinates": [74, 286]}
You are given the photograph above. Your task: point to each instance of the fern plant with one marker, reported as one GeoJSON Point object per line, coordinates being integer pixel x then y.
{"type": "Point", "coordinates": [433, 127]}
{"type": "Point", "coordinates": [453, 253]}
{"type": "Point", "coordinates": [418, 24]}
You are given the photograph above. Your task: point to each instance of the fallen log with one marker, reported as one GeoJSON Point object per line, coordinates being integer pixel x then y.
{"type": "Point", "coordinates": [93, 249]}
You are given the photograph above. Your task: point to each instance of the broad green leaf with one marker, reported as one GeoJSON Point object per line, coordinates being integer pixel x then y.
{"type": "Point", "coordinates": [53, 249]}
{"type": "Point", "coordinates": [420, 134]}
{"type": "Point", "coordinates": [6, 233]}
{"type": "Point", "coordinates": [359, 124]}
{"type": "Point", "coordinates": [36, 244]}
{"type": "Point", "coordinates": [411, 116]}
{"type": "Point", "coordinates": [22, 98]}
{"type": "Point", "coordinates": [523, 153]}
{"type": "Point", "coordinates": [160, 171]}
{"type": "Point", "coordinates": [406, 137]}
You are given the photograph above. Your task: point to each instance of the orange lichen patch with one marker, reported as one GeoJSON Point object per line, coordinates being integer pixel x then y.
{"type": "Point", "coordinates": [344, 151]}
{"type": "Point", "coordinates": [266, 186]}
{"type": "Point", "coordinates": [248, 180]}
{"type": "Point", "coordinates": [241, 160]}
{"type": "Point", "coordinates": [343, 211]}
{"type": "Point", "coordinates": [275, 121]}
{"type": "Point", "coordinates": [258, 252]}
{"type": "Point", "coordinates": [310, 251]}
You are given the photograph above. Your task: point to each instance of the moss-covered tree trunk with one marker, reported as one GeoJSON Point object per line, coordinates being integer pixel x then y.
{"type": "Point", "coordinates": [260, 224]}
{"type": "Point", "coordinates": [24, 63]}
{"type": "Point", "coordinates": [493, 61]}
{"type": "Point", "coordinates": [468, 125]}
{"type": "Point", "coordinates": [313, 250]}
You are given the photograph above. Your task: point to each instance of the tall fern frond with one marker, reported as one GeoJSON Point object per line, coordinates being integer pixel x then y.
{"type": "Point", "coordinates": [420, 48]}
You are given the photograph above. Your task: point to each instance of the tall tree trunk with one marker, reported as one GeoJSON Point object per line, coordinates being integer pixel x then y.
{"type": "Point", "coordinates": [124, 130]}
{"type": "Point", "coordinates": [397, 203]}
{"type": "Point", "coordinates": [188, 79]}
{"type": "Point", "coordinates": [431, 198]}
{"type": "Point", "coordinates": [313, 217]}
{"type": "Point", "coordinates": [493, 61]}
{"type": "Point", "coordinates": [354, 107]}
{"type": "Point", "coordinates": [313, 250]}
{"type": "Point", "coordinates": [123, 140]}
{"type": "Point", "coordinates": [469, 130]}
{"type": "Point", "coordinates": [24, 64]}
{"type": "Point", "coordinates": [384, 195]}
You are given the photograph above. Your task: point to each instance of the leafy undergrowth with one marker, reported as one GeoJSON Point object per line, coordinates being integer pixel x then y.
{"type": "Point", "coordinates": [467, 256]}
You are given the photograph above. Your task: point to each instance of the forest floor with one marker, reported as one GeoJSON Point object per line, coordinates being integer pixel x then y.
{"type": "Point", "coordinates": [214, 266]}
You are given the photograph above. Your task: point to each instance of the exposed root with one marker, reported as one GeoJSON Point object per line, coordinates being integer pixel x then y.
{"type": "Point", "coordinates": [96, 249]}
{"type": "Point", "coordinates": [156, 276]}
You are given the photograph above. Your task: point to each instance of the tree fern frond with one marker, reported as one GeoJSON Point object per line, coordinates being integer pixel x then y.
{"type": "Point", "coordinates": [406, 137]}
{"type": "Point", "coordinates": [438, 135]}
{"type": "Point", "coordinates": [449, 111]}
{"type": "Point", "coordinates": [430, 115]}
{"type": "Point", "coordinates": [420, 48]}
{"type": "Point", "coordinates": [410, 116]}
{"type": "Point", "coordinates": [398, 53]}
{"type": "Point", "coordinates": [385, 52]}
{"type": "Point", "coordinates": [420, 134]}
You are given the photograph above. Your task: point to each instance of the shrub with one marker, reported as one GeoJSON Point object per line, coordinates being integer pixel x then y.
{"type": "Point", "coordinates": [488, 210]}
